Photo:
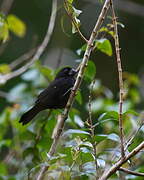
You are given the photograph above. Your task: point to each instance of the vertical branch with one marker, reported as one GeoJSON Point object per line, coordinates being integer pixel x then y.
{"type": "Point", "coordinates": [83, 65]}
{"type": "Point", "coordinates": [80, 75]}
{"type": "Point", "coordinates": [118, 164]}
{"type": "Point", "coordinates": [117, 48]}
{"type": "Point", "coordinates": [40, 50]}
{"type": "Point", "coordinates": [6, 6]}
{"type": "Point", "coordinates": [90, 124]}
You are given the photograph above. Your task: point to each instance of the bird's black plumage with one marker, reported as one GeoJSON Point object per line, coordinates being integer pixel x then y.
{"type": "Point", "coordinates": [55, 96]}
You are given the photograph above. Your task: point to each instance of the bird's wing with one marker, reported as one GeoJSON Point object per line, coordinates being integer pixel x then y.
{"type": "Point", "coordinates": [54, 91]}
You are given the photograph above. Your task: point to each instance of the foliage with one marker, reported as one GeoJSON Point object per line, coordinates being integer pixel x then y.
{"type": "Point", "coordinates": [23, 149]}
{"type": "Point", "coordinates": [13, 24]}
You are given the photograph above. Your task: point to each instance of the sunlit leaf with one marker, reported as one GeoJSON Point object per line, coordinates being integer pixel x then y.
{"type": "Point", "coordinates": [3, 169]}
{"type": "Point", "coordinates": [4, 68]}
{"type": "Point", "coordinates": [16, 25]}
{"type": "Point", "coordinates": [4, 32]}
{"type": "Point", "coordinates": [70, 1]}
{"type": "Point", "coordinates": [90, 71]}
{"type": "Point", "coordinates": [109, 115]}
{"type": "Point", "coordinates": [78, 121]}
{"type": "Point", "coordinates": [104, 45]}
{"type": "Point", "coordinates": [47, 72]}
{"type": "Point", "coordinates": [79, 97]}
{"type": "Point", "coordinates": [113, 137]}
{"type": "Point", "coordinates": [100, 137]}
{"type": "Point", "coordinates": [75, 131]}
{"type": "Point", "coordinates": [105, 29]}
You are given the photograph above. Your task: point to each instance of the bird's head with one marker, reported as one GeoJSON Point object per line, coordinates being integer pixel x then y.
{"type": "Point", "coordinates": [66, 72]}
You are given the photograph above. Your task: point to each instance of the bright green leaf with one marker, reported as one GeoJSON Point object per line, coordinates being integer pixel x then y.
{"type": "Point", "coordinates": [105, 29]}
{"type": "Point", "coordinates": [17, 26]}
{"type": "Point", "coordinates": [4, 32]}
{"type": "Point", "coordinates": [70, 1]}
{"type": "Point", "coordinates": [90, 71]}
{"type": "Point", "coordinates": [100, 137]}
{"type": "Point", "coordinates": [47, 72]}
{"type": "Point", "coordinates": [79, 97]}
{"type": "Point", "coordinates": [3, 169]}
{"type": "Point", "coordinates": [104, 46]}
{"type": "Point", "coordinates": [109, 115]}
{"type": "Point", "coordinates": [4, 69]}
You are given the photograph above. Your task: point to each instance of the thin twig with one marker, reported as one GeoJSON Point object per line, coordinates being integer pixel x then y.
{"type": "Point", "coordinates": [42, 172]}
{"type": "Point", "coordinates": [6, 6]}
{"type": "Point", "coordinates": [131, 172]}
{"type": "Point", "coordinates": [80, 75]}
{"type": "Point", "coordinates": [40, 50]}
{"type": "Point", "coordinates": [22, 58]}
{"type": "Point", "coordinates": [127, 143]}
{"type": "Point", "coordinates": [117, 48]}
{"type": "Point", "coordinates": [77, 84]}
{"type": "Point", "coordinates": [92, 127]}
{"type": "Point", "coordinates": [117, 165]}
{"type": "Point", "coordinates": [74, 22]}
{"type": "Point", "coordinates": [82, 67]}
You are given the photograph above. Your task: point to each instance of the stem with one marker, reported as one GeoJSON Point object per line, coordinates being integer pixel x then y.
{"type": "Point", "coordinates": [117, 48]}
{"type": "Point", "coordinates": [117, 165]}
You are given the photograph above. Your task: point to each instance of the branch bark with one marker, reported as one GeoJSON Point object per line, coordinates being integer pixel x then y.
{"type": "Point", "coordinates": [117, 165]}
{"type": "Point", "coordinates": [6, 6]}
{"type": "Point", "coordinates": [40, 50]}
{"type": "Point", "coordinates": [131, 172]}
{"type": "Point", "coordinates": [117, 48]}
{"type": "Point", "coordinates": [83, 65]}
{"type": "Point", "coordinates": [80, 74]}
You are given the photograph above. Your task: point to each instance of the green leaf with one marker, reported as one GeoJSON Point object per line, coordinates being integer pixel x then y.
{"type": "Point", "coordinates": [78, 121]}
{"type": "Point", "coordinates": [44, 143]}
{"type": "Point", "coordinates": [27, 135]}
{"type": "Point", "coordinates": [15, 25]}
{"type": "Point", "coordinates": [100, 137]}
{"type": "Point", "coordinates": [76, 13]}
{"type": "Point", "coordinates": [130, 111]}
{"type": "Point", "coordinates": [4, 69]}
{"type": "Point", "coordinates": [47, 72]}
{"type": "Point", "coordinates": [31, 151]}
{"type": "Point", "coordinates": [75, 131]}
{"type": "Point", "coordinates": [90, 71]}
{"type": "Point", "coordinates": [109, 115]}
{"type": "Point", "coordinates": [104, 46]}
{"type": "Point", "coordinates": [4, 32]}
{"type": "Point", "coordinates": [79, 97]}
{"type": "Point", "coordinates": [72, 11]}
{"type": "Point", "coordinates": [6, 142]}
{"type": "Point", "coordinates": [105, 29]}
{"type": "Point", "coordinates": [3, 169]}
{"type": "Point", "coordinates": [113, 137]}
{"type": "Point", "coordinates": [70, 1]}
{"type": "Point", "coordinates": [121, 24]}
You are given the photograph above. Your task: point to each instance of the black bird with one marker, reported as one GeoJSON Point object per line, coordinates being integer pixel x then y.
{"type": "Point", "coordinates": [55, 96]}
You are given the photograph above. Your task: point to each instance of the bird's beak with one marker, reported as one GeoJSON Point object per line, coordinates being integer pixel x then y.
{"type": "Point", "coordinates": [73, 72]}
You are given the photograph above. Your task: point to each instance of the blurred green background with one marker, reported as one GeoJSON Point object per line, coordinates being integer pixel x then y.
{"type": "Point", "coordinates": [35, 14]}
{"type": "Point", "coordinates": [20, 151]}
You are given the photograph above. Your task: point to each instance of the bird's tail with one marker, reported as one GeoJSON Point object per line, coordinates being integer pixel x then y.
{"type": "Point", "coordinates": [29, 115]}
